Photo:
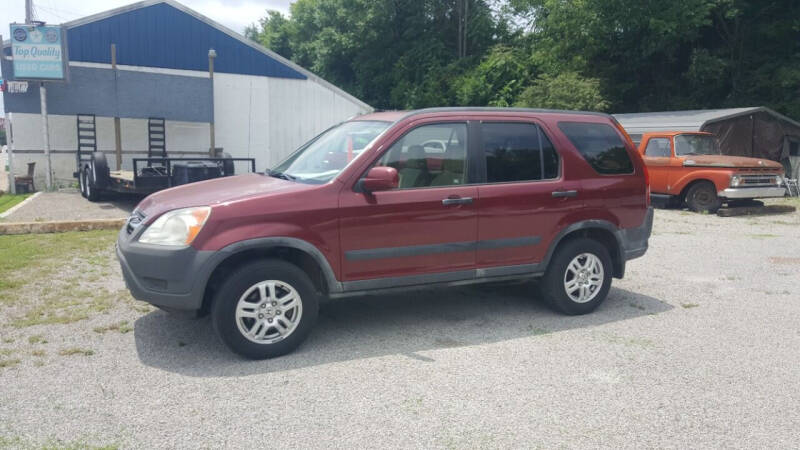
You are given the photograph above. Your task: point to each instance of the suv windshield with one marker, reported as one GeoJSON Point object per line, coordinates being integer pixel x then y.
{"type": "Point", "coordinates": [325, 156]}
{"type": "Point", "coordinates": [696, 144]}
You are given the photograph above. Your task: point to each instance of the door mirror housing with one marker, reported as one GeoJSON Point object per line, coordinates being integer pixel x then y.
{"type": "Point", "coordinates": [380, 178]}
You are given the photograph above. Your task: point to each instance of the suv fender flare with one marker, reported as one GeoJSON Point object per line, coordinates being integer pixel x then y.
{"type": "Point", "coordinates": [619, 262]}
{"type": "Point", "coordinates": [272, 242]}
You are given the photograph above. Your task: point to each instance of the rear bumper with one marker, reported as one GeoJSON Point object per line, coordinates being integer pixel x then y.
{"type": "Point", "coordinates": [752, 192]}
{"type": "Point", "coordinates": [635, 240]}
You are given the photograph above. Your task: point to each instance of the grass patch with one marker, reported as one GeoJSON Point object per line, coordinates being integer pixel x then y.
{"type": "Point", "coordinates": [37, 339]}
{"type": "Point", "coordinates": [122, 327]}
{"type": "Point", "coordinates": [62, 311]}
{"type": "Point", "coordinates": [76, 351]}
{"type": "Point", "coordinates": [8, 201]}
{"type": "Point", "coordinates": [4, 363]}
{"type": "Point", "coordinates": [689, 305]}
{"type": "Point", "coordinates": [764, 235]}
{"type": "Point", "coordinates": [8, 340]}
{"type": "Point", "coordinates": [28, 258]}
{"type": "Point", "coordinates": [40, 353]}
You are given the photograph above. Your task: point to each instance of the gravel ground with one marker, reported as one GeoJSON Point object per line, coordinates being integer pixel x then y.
{"type": "Point", "coordinates": [699, 346]}
{"type": "Point", "coordinates": [68, 204]}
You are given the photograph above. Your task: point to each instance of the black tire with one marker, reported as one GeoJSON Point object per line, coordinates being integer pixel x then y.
{"type": "Point", "coordinates": [101, 175]}
{"type": "Point", "coordinates": [92, 193]}
{"type": "Point", "coordinates": [552, 285]}
{"type": "Point", "coordinates": [745, 203]}
{"type": "Point", "coordinates": [702, 197]}
{"type": "Point", "coordinates": [223, 310]}
{"type": "Point", "coordinates": [82, 182]}
{"type": "Point", "coordinates": [227, 166]}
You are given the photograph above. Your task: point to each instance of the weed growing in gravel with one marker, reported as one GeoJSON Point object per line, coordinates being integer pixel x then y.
{"type": "Point", "coordinates": [6, 351]}
{"type": "Point", "coordinates": [39, 353]}
{"type": "Point", "coordinates": [8, 340]}
{"type": "Point", "coordinates": [37, 339]}
{"type": "Point", "coordinates": [76, 351]}
{"type": "Point", "coordinates": [9, 362]}
{"type": "Point", "coordinates": [689, 305]}
{"type": "Point", "coordinates": [764, 236]}
{"type": "Point", "coordinates": [122, 327]}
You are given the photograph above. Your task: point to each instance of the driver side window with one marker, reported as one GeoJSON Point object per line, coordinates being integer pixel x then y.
{"type": "Point", "coordinates": [658, 147]}
{"type": "Point", "coordinates": [429, 156]}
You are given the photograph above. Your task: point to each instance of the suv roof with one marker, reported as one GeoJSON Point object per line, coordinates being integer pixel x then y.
{"type": "Point", "coordinates": [394, 116]}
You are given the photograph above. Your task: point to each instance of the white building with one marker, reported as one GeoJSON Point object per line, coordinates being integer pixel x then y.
{"type": "Point", "coordinates": [262, 105]}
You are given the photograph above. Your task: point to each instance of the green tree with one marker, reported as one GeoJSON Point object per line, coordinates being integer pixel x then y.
{"type": "Point", "coordinates": [567, 90]}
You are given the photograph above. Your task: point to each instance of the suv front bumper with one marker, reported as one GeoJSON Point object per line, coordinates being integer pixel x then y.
{"type": "Point", "coordinates": [753, 192]}
{"type": "Point", "coordinates": [172, 278]}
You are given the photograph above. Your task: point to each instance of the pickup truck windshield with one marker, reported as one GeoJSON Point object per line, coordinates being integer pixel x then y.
{"type": "Point", "coordinates": [325, 156]}
{"type": "Point", "coordinates": [696, 144]}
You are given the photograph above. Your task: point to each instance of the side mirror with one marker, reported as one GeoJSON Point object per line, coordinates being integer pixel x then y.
{"type": "Point", "coordinates": [380, 178]}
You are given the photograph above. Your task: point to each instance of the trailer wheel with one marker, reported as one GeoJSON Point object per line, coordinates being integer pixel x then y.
{"type": "Point", "coordinates": [227, 166]}
{"type": "Point", "coordinates": [101, 175]}
{"type": "Point", "coordinates": [82, 182]}
{"type": "Point", "coordinates": [92, 192]}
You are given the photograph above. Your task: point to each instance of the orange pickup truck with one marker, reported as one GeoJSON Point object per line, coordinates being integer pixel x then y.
{"type": "Point", "coordinates": [687, 167]}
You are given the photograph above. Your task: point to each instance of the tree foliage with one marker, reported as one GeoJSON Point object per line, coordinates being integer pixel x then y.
{"type": "Point", "coordinates": [612, 55]}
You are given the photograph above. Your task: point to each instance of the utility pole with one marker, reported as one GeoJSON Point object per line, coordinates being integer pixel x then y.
{"type": "Point", "coordinates": [43, 102]}
{"type": "Point", "coordinates": [212, 150]}
{"type": "Point", "coordinates": [117, 132]}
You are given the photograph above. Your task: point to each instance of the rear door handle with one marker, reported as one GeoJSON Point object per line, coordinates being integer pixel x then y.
{"type": "Point", "coordinates": [572, 193]}
{"type": "Point", "coordinates": [457, 201]}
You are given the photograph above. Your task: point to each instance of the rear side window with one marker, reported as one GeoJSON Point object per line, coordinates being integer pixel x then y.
{"type": "Point", "coordinates": [518, 152]}
{"type": "Point", "coordinates": [600, 146]}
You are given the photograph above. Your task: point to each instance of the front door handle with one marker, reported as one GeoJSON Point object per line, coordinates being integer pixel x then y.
{"type": "Point", "coordinates": [558, 194]}
{"type": "Point", "coordinates": [457, 201]}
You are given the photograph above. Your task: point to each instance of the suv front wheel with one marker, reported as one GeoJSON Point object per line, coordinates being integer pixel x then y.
{"type": "Point", "coordinates": [578, 277]}
{"type": "Point", "coordinates": [265, 309]}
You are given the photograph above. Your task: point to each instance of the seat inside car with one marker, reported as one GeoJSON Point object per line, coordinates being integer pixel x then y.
{"type": "Point", "coordinates": [415, 170]}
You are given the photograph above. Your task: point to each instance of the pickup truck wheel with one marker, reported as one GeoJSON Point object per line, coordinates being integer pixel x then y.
{"type": "Point", "coordinates": [265, 309]}
{"type": "Point", "coordinates": [702, 197]}
{"type": "Point", "coordinates": [578, 278]}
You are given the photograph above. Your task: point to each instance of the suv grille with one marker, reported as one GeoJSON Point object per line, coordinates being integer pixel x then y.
{"type": "Point", "coordinates": [134, 221]}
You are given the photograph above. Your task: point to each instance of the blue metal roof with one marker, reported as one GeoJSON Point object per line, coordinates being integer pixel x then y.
{"type": "Point", "coordinates": [161, 35]}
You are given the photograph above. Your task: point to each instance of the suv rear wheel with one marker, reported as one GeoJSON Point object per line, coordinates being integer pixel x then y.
{"type": "Point", "coordinates": [265, 309]}
{"type": "Point", "coordinates": [578, 277]}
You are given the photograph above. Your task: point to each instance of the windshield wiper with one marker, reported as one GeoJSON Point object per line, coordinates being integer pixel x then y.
{"type": "Point", "coordinates": [281, 175]}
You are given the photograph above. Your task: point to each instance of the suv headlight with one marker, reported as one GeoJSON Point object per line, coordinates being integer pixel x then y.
{"type": "Point", "coordinates": [176, 228]}
{"type": "Point", "coordinates": [736, 180]}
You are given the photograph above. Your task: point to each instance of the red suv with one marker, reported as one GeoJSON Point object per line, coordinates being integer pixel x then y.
{"type": "Point", "coordinates": [391, 200]}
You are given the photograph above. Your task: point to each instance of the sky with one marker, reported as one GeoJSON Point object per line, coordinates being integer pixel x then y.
{"type": "Point", "coordinates": [234, 14]}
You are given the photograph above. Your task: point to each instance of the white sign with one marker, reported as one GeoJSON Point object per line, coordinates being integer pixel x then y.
{"type": "Point", "coordinates": [37, 52]}
{"type": "Point", "coordinates": [17, 87]}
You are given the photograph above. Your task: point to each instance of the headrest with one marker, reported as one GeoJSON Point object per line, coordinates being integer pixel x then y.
{"type": "Point", "coordinates": [453, 165]}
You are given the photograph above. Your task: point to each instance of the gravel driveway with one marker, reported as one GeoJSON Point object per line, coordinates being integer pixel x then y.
{"type": "Point", "coordinates": [699, 346]}
{"type": "Point", "coordinates": [68, 204]}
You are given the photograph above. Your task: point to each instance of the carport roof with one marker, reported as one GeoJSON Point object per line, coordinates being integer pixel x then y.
{"type": "Point", "coordinates": [694, 120]}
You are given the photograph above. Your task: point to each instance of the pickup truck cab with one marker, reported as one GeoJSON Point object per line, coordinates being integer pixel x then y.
{"type": "Point", "coordinates": [688, 167]}
{"type": "Point", "coordinates": [393, 200]}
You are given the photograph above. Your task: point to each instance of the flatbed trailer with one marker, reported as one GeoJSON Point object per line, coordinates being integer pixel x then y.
{"type": "Point", "coordinates": [151, 174]}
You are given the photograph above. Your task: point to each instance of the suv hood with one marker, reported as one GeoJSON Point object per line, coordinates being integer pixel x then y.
{"type": "Point", "coordinates": [215, 192]}
{"type": "Point", "coordinates": [725, 161]}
